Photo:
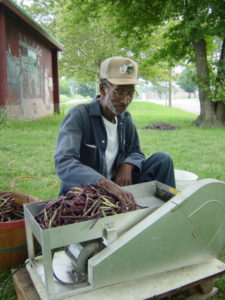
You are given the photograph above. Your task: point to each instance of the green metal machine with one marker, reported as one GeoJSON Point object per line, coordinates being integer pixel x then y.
{"type": "Point", "coordinates": [135, 250]}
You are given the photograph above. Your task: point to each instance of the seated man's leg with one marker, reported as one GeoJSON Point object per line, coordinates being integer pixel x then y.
{"type": "Point", "coordinates": [158, 167]}
{"type": "Point", "coordinates": [64, 188]}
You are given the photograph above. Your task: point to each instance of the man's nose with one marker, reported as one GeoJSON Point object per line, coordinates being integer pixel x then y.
{"type": "Point", "coordinates": [125, 100]}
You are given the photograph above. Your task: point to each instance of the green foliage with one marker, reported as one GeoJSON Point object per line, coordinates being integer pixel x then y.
{"type": "Point", "coordinates": [187, 80]}
{"type": "Point", "coordinates": [87, 89]}
{"type": "Point", "coordinates": [160, 88]}
{"type": "Point", "coordinates": [64, 87]}
{"type": "Point", "coordinates": [42, 11]}
{"type": "Point", "coordinates": [3, 116]}
{"type": "Point", "coordinates": [88, 41]}
{"type": "Point", "coordinates": [63, 98]}
{"type": "Point", "coordinates": [195, 19]}
{"type": "Point", "coordinates": [9, 292]}
{"type": "Point", "coordinates": [187, 26]}
{"type": "Point", "coordinates": [163, 35]}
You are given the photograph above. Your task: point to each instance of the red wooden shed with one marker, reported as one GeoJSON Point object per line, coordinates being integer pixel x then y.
{"type": "Point", "coordinates": [29, 85]}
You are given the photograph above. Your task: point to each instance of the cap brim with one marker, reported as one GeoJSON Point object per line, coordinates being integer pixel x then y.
{"type": "Point", "coordinates": [124, 81]}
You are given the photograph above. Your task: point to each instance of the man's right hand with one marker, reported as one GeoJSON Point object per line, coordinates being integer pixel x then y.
{"type": "Point", "coordinates": [126, 198]}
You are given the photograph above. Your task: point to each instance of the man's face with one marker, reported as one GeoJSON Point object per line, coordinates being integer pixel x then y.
{"type": "Point", "coordinates": [118, 97]}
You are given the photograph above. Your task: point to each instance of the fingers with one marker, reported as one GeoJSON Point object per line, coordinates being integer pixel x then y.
{"type": "Point", "coordinates": [126, 198]}
{"type": "Point", "coordinates": [123, 181]}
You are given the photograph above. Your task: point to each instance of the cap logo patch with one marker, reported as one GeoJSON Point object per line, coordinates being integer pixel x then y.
{"type": "Point", "coordinates": [127, 69]}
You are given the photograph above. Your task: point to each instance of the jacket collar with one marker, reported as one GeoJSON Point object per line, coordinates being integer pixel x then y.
{"type": "Point", "coordinates": [94, 107]}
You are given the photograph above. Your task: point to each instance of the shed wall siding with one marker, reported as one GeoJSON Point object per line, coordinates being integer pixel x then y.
{"type": "Point", "coordinates": [3, 66]}
{"type": "Point", "coordinates": [29, 73]}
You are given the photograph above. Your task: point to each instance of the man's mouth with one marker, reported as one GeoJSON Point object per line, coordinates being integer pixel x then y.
{"type": "Point", "coordinates": [120, 106]}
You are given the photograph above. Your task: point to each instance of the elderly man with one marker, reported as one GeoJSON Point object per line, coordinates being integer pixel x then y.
{"type": "Point", "coordinates": [98, 142]}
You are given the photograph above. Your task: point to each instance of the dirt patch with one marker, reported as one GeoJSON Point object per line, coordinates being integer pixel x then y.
{"type": "Point", "coordinates": [161, 126]}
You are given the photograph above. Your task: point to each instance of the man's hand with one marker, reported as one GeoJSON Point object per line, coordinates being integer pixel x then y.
{"type": "Point", "coordinates": [126, 198]}
{"type": "Point", "coordinates": [124, 175]}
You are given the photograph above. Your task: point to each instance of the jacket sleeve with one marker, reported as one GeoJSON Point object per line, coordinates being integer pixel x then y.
{"type": "Point", "coordinates": [67, 155]}
{"type": "Point", "coordinates": [134, 155]}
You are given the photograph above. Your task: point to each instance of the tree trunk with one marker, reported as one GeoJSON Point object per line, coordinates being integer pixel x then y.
{"type": "Point", "coordinates": [211, 113]}
{"type": "Point", "coordinates": [220, 104]}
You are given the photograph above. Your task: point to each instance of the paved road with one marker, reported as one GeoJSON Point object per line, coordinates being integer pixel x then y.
{"type": "Point", "coordinates": [189, 105]}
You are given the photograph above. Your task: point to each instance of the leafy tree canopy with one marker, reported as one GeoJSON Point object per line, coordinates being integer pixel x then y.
{"type": "Point", "coordinates": [190, 29]}
{"type": "Point", "coordinates": [64, 87]}
{"type": "Point", "coordinates": [87, 90]}
{"type": "Point", "coordinates": [87, 41]}
{"type": "Point", "coordinates": [158, 34]}
{"type": "Point", "coordinates": [187, 80]}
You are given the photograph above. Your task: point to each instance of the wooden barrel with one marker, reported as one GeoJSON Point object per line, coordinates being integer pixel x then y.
{"type": "Point", "coordinates": [13, 247]}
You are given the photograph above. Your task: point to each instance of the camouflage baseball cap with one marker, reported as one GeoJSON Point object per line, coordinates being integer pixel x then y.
{"type": "Point", "coordinates": [120, 70]}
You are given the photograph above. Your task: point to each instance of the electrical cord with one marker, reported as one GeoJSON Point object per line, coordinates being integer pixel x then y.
{"type": "Point", "coordinates": [5, 283]}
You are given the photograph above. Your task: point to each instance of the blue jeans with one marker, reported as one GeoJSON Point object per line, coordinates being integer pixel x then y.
{"type": "Point", "coordinates": [158, 167]}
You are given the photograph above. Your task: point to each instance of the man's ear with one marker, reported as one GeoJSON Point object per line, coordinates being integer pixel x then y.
{"type": "Point", "coordinates": [102, 89]}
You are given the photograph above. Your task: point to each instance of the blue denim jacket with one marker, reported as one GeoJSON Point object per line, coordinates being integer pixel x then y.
{"type": "Point", "coordinates": [81, 145]}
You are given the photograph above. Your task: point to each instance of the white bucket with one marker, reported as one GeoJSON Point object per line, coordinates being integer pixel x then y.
{"type": "Point", "coordinates": [184, 178]}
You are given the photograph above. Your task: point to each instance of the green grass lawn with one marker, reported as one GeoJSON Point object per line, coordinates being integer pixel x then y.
{"type": "Point", "coordinates": [27, 148]}
{"type": "Point", "coordinates": [197, 150]}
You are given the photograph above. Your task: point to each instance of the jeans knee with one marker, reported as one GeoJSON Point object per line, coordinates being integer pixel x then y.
{"type": "Point", "coordinates": [163, 157]}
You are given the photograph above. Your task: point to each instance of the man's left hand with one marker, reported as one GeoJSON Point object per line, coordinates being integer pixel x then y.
{"type": "Point", "coordinates": [124, 175]}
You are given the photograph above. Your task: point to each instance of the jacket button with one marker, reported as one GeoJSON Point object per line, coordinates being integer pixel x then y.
{"type": "Point", "coordinates": [103, 141]}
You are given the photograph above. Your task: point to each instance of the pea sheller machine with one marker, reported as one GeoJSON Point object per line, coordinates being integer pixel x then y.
{"type": "Point", "coordinates": [135, 255]}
